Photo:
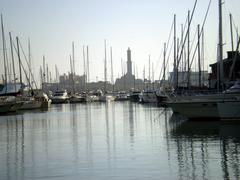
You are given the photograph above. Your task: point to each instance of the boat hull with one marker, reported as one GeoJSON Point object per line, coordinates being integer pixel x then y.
{"type": "Point", "coordinates": [196, 110]}
{"type": "Point", "coordinates": [59, 100]}
{"type": "Point", "coordinates": [222, 109]}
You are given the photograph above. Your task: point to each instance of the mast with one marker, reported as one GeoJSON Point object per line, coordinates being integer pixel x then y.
{"type": "Point", "coordinates": [202, 55]}
{"type": "Point", "coordinates": [44, 70]}
{"type": "Point", "coordinates": [112, 69]}
{"type": "Point", "coordinates": [149, 71]}
{"type": "Point", "coordinates": [220, 47]}
{"type": "Point", "coordinates": [73, 59]}
{"type": "Point", "coordinates": [56, 73]}
{"type": "Point", "coordinates": [41, 77]}
{"type": "Point", "coordinates": [199, 57]}
{"type": "Point", "coordinates": [105, 66]}
{"type": "Point", "coordinates": [71, 73]}
{"type": "Point", "coordinates": [231, 29]}
{"type": "Point", "coordinates": [134, 80]}
{"type": "Point", "coordinates": [19, 61]}
{"type": "Point", "coordinates": [188, 51]}
{"type": "Point", "coordinates": [29, 61]}
{"type": "Point", "coordinates": [164, 63]}
{"type": "Point", "coordinates": [153, 75]}
{"type": "Point", "coordinates": [144, 74]}
{"type": "Point", "coordinates": [174, 51]}
{"type": "Point", "coordinates": [47, 73]}
{"type": "Point", "coordinates": [13, 64]}
{"type": "Point", "coordinates": [88, 75]}
{"type": "Point", "coordinates": [4, 51]}
{"type": "Point", "coordinates": [73, 67]}
{"type": "Point", "coordinates": [84, 68]}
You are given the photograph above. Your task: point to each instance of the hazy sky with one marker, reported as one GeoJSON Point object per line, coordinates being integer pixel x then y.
{"type": "Point", "coordinates": [142, 25]}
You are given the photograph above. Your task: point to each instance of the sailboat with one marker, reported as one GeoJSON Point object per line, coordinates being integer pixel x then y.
{"type": "Point", "coordinates": [104, 96]}
{"type": "Point", "coordinates": [75, 97]}
{"type": "Point", "coordinates": [224, 105]}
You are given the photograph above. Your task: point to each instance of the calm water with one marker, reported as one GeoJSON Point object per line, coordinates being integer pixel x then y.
{"type": "Point", "coordinates": [116, 141]}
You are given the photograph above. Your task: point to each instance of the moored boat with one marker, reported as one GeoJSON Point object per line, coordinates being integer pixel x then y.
{"type": "Point", "coordinates": [60, 97]}
{"type": "Point", "coordinates": [122, 96]}
{"type": "Point", "coordinates": [148, 96]}
{"type": "Point", "coordinates": [135, 96]}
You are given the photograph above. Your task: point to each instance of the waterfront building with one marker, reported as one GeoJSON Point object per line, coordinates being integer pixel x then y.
{"type": "Point", "coordinates": [232, 57]}
{"type": "Point", "coordinates": [194, 78]}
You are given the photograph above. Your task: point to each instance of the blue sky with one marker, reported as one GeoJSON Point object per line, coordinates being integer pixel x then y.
{"type": "Point", "coordinates": [142, 25]}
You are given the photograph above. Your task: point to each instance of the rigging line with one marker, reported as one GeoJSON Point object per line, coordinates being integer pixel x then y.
{"type": "Point", "coordinates": [235, 27]}
{"type": "Point", "coordinates": [184, 28]}
{"type": "Point", "coordinates": [193, 41]}
{"type": "Point", "coordinates": [159, 59]}
{"type": "Point", "coordinates": [167, 60]}
{"type": "Point", "coordinates": [204, 21]}
{"type": "Point", "coordinates": [169, 55]}
{"type": "Point", "coordinates": [21, 64]}
{"type": "Point", "coordinates": [25, 57]}
{"type": "Point", "coordinates": [185, 39]}
{"type": "Point", "coordinates": [169, 36]}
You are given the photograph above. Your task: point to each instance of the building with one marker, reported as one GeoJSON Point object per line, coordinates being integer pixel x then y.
{"type": "Point", "coordinates": [231, 62]}
{"type": "Point", "coordinates": [68, 82]}
{"type": "Point", "coordinates": [194, 78]}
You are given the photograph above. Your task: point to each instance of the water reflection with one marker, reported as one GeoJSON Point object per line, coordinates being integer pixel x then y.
{"type": "Point", "coordinates": [206, 147]}
{"type": "Point", "coordinates": [118, 140]}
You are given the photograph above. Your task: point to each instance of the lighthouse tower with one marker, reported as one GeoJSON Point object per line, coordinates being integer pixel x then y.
{"type": "Point", "coordinates": [129, 62]}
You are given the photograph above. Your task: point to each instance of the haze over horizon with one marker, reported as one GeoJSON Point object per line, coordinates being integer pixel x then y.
{"type": "Point", "coordinates": [142, 25]}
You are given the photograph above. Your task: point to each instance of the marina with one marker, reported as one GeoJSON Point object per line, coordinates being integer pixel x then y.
{"type": "Point", "coordinates": [91, 96]}
{"type": "Point", "coordinates": [116, 140]}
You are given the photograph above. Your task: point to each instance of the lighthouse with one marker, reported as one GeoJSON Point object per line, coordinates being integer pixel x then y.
{"type": "Point", "coordinates": [129, 62]}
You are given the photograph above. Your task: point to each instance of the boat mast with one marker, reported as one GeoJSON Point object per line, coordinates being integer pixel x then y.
{"type": "Point", "coordinates": [188, 52]}
{"type": "Point", "coordinates": [88, 75]}
{"type": "Point", "coordinates": [134, 80]}
{"type": "Point", "coordinates": [149, 71]}
{"type": "Point", "coordinates": [153, 85]}
{"type": "Point", "coordinates": [105, 66]}
{"type": "Point", "coordinates": [164, 63]}
{"type": "Point", "coordinates": [19, 61]}
{"type": "Point", "coordinates": [73, 67]}
{"type": "Point", "coordinates": [73, 59]}
{"type": "Point", "coordinates": [174, 51]}
{"type": "Point", "coordinates": [199, 57]}
{"type": "Point", "coordinates": [29, 61]}
{"type": "Point", "coordinates": [220, 48]}
{"type": "Point", "coordinates": [112, 69]}
{"type": "Point", "coordinates": [13, 64]}
{"type": "Point", "coordinates": [231, 30]}
{"type": "Point", "coordinates": [84, 68]}
{"type": "Point", "coordinates": [4, 51]}
{"type": "Point", "coordinates": [71, 73]}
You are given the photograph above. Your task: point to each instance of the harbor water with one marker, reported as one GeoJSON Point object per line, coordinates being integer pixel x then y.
{"type": "Point", "coordinates": [116, 141]}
